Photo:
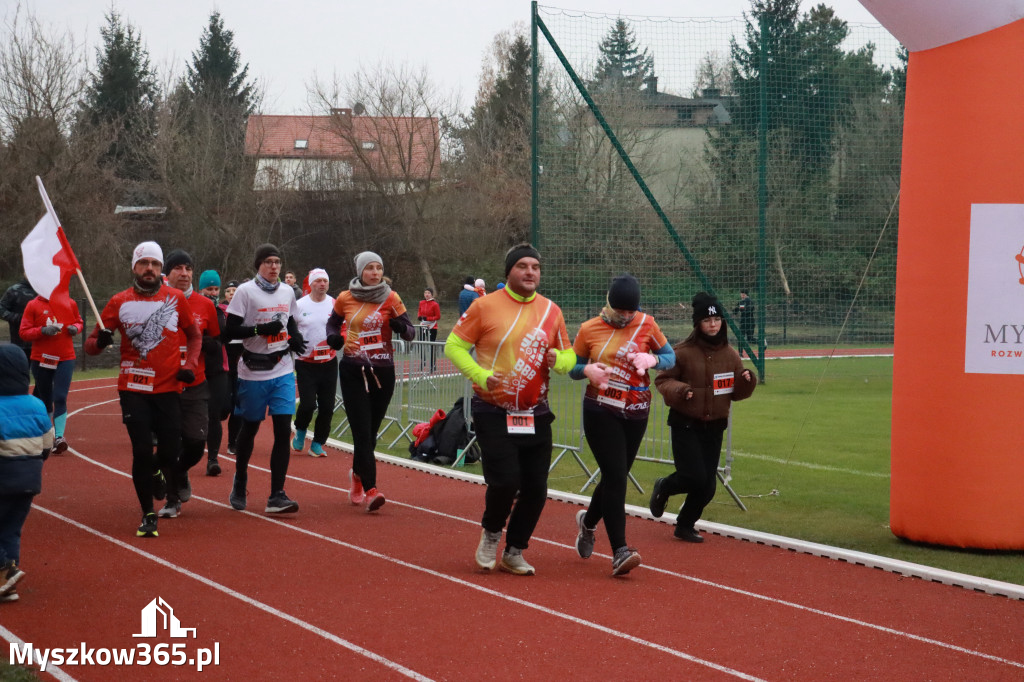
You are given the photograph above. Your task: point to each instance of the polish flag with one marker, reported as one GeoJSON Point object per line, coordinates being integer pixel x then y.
{"type": "Point", "coordinates": [49, 261]}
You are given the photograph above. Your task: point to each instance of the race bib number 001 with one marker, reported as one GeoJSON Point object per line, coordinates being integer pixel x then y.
{"type": "Point", "coordinates": [724, 383]}
{"type": "Point", "coordinates": [520, 422]}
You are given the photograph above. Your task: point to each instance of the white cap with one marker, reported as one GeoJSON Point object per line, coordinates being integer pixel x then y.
{"type": "Point", "coordinates": [479, 283]}
{"type": "Point", "coordinates": [318, 273]}
{"type": "Point", "coordinates": [147, 250]}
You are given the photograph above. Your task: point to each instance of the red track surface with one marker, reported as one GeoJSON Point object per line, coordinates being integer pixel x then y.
{"type": "Point", "coordinates": [336, 593]}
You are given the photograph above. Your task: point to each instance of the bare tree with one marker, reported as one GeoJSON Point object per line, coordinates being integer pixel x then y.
{"type": "Point", "coordinates": [392, 135]}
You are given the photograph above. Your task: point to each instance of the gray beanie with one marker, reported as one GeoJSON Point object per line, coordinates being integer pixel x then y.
{"type": "Point", "coordinates": [365, 258]}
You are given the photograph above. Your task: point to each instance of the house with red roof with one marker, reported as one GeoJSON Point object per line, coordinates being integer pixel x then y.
{"type": "Point", "coordinates": [344, 151]}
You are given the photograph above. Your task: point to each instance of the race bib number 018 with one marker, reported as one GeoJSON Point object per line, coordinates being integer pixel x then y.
{"type": "Point", "coordinates": [520, 422]}
{"type": "Point", "coordinates": [724, 383]}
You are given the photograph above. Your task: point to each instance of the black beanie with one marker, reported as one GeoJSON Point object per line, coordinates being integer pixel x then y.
{"type": "Point", "coordinates": [624, 293]}
{"type": "Point", "coordinates": [704, 306]}
{"type": "Point", "coordinates": [517, 252]}
{"type": "Point", "coordinates": [176, 258]}
{"type": "Point", "coordinates": [263, 252]}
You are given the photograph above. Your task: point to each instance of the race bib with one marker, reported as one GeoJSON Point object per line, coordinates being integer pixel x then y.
{"type": "Point", "coordinates": [520, 422]}
{"type": "Point", "coordinates": [322, 353]}
{"type": "Point", "coordinates": [613, 395]}
{"type": "Point", "coordinates": [49, 361]}
{"type": "Point", "coordinates": [140, 379]}
{"type": "Point", "coordinates": [277, 342]}
{"type": "Point", "coordinates": [371, 340]}
{"type": "Point", "coordinates": [724, 383]}
{"type": "Point", "coordinates": [183, 354]}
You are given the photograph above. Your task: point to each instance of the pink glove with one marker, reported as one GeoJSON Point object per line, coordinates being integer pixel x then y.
{"type": "Point", "coordinates": [598, 374]}
{"type": "Point", "coordinates": [642, 361]}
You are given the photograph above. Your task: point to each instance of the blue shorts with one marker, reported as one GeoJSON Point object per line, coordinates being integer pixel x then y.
{"type": "Point", "coordinates": [254, 397]}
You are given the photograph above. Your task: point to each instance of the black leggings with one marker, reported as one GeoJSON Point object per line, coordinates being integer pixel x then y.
{"type": "Point", "coordinates": [317, 383]}
{"type": "Point", "coordinates": [614, 442]}
{"type": "Point", "coordinates": [367, 392]}
{"type": "Point", "coordinates": [218, 409]}
{"type": "Point", "coordinates": [696, 449]}
{"type": "Point", "coordinates": [280, 454]}
{"type": "Point", "coordinates": [143, 416]}
{"type": "Point", "coordinates": [516, 472]}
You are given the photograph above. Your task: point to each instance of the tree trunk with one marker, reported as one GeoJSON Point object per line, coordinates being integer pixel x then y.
{"type": "Point", "coordinates": [425, 267]}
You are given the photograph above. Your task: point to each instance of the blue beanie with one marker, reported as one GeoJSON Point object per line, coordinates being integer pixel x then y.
{"type": "Point", "coordinates": [209, 278]}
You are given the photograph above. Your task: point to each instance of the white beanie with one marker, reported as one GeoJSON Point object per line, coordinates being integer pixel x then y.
{"type": "Point", "coordinates": [147, 250]}
{"type": "Point", "coordinates": [365, 258]}
{"type": "Point", "coordinates": [479, 283]}
{"type": "Point", "coordinates": [317, 273]}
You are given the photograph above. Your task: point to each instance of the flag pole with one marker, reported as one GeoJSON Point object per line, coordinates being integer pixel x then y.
{"type": "Point", "coordinates": [81, 277]}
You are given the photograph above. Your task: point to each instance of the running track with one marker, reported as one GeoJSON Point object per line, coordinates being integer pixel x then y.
{"type": "Point", "coordinates": [336, 593]}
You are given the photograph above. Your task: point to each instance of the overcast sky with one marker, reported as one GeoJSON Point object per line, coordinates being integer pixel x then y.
{"type": "Point", "coordinates": [286, 42]}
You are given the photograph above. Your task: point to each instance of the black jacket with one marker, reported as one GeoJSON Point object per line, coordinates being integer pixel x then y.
{"type": "Point", "coordinates": [12, 305]}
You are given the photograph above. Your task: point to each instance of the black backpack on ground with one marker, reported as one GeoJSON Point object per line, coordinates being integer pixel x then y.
{"type": "Point", "coordinates": [451, 435]}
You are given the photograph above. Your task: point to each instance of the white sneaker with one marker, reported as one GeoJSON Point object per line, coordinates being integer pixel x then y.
{"type": "Point", "coordinates": [512, 561]}
{"type": "Point", "coordinates": [487, 550]}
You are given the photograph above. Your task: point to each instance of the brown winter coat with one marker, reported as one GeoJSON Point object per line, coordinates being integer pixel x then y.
{"type": "Point", "coordinates": [697, 363]}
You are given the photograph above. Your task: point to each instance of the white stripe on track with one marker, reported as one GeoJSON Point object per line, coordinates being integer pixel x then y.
{"type": "Point", "coordinates": [701, 581]}
{"type": "Point", "coordinates": [51, 669]}
{"type": "Point", "coordinates": [309, 627]}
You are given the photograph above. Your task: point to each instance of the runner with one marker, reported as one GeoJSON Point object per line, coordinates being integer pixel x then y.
{"type": "Point", "coordinates": [372, 312]}
{"type": "Point", "coordinates": [195, 396]}
{"type": "Point", "coordinates": [621, 345]}
{"type": "Point", "coordinates": [519, 336]}
{"type": "Point", "coordinates": [233, 349]}
{"type": "Point", "coordinates": [316, 370]}
{"type": "Point", "coordinates": [216, 376]}
{"type": "Point", "coordinates": [149, 316]}
{"type": "Point", "coordinates": [51, 334]}
{"type": "Point", "coordinates": [262, 314]}
{"type": "Point", "coordinates": [699, 390]}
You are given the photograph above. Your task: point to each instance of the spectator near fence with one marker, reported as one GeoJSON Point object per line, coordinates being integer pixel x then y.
{"type": "Point", "coordinates": [519, 336]}
{"type": "Point", "coordinates": [429, 313]}
{"type": "Point", "coordinates": [745, 309]}
{"type": "Point", "coordinates": [467, 295]}
{"type": "Point", "coordinates": [615, 351]}
{"type": "Point", "coordinates": [699, 390]}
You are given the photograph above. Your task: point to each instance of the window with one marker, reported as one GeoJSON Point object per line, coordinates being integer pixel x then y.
{"type": "Point", "coordinates": [301, 144]}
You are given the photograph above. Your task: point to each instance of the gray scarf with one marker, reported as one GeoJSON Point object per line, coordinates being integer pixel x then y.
{"type": "Point", "coordinates": [365, 294]}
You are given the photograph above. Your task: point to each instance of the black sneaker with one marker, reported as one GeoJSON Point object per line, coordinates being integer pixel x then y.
{"type": "Point", "coordinates": [184, 488]}
{"type": "Point", "coordinates": [159, 485]}
{"type": "Point", "coordinates": [148, 527]}
{"type": "Point", "coordinates": [10, 574]}
{"type": "Point", "coordinates": [9, 595]}
{"type": "Point", "coordinates": [238, 493]}
{"type": "Point", "coordinates": [688, 534]}
{"type": "Point", "coordinates": [279, 503]}
{"type": "Point", "coordinates": [658, 498]}
{"type": "Point", "coordinates": [625, 560]}
{"type": "Point", "coordinates": [212, 466]}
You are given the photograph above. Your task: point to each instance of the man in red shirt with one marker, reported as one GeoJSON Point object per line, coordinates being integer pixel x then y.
{"type": "Point", "coordinates": [195, 396]}
{"type": "Point", "coordinates": [148, 316]}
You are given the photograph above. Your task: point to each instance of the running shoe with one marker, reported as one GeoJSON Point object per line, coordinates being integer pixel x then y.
{"type": "Point", "coordinates": [585, 536]}
{"type": "Point", "coordinates": [487, 550]}
{"type": "Point", "coordinates": [625, 560]}
{"type": "Point", "coordinates": [10, 574]}
{"type": "Point", "coordinates": [658, 498]}
{"type": "Point", "coordinates": [374, 500]}
{"type": "Point", "coordinates": [170, 510]}
{"type": "Point", "coordinates": [299, 442]}
{"type": "Point", "coordinates": [279, 503]}
{"type": "Point", "coordinates": [60, 446]}
{"type": "Point", "coordinates": [512, 561]}
{"type": "Point", "coordinates": [10, 595]}
{"type": "Point", "coordinates": [355, 493]}
{"type": "Point", "coordinates": [184, 488]}
{"type": "Point", "coordinates": [148, 527]}
{"type": "Point", "coordinates": [316, 450]}
{"type": "Point", "coordinates": [688, 534]}
{"type": "Point", "coordinates": [238, 493]}
{"type": "Point", "coordinates": [212, 466]}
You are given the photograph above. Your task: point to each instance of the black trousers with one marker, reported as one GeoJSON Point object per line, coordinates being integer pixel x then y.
{"type": "Point", "coordinates": [145, 414]}
{"type": "Point", "coordinates": [367, 392]}
{"type": "Point", "coordinates": [220, 395]}
{"type": "Point", "coordinates": [696, 449]}
{"type": "Point", "coordinates": [614, 442]}
{"type": "Point", "coordinates": [513, 465]}
{"type": "Point", "coordinates": [316, 382]}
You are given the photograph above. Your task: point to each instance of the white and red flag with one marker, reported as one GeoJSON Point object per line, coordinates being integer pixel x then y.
{"type": "Point", "coordinates": [49, 261]}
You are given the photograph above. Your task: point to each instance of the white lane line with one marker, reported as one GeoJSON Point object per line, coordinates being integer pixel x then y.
{"type": "Point", "coordinates": [50, 668]}
{"type": "Point", "coordinates": [309, 627]}
{"type": "Point", "coordinates": [728, 588]}
{"type": "Point", "coordinates": [809, 465]}
{"type": "Point", "coordinates": [422, 569]}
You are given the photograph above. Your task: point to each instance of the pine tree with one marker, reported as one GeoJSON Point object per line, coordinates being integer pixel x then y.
{"type": "Point", "coordinates": [622, 65]}
{"type": "Point", "coordinates": [216, 73]}
{"type": "Point", "coordinates": [122, 94]}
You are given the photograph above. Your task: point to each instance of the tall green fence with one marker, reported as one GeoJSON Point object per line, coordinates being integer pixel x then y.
{"type": "Point", "coordinates": [760, 154]}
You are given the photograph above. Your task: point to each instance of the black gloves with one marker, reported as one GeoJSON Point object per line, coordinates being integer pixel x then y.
{"type": "Point", "coordinates": [336, 341]}
{"type": "Point", "coordinates": [186, 376]}
{"type": "Point", "coordinates": [269, 328]}
{"type": "Point", "coordinates": [210, 344]}
{"type": "Point", "coordinates": [51, 330]}
{"type": "Point", "coordinates": [297, 344]}
{"type": "Point", "coordinates": [72, 330]}
{"type": "Point", "coordinates": [104, 338]}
